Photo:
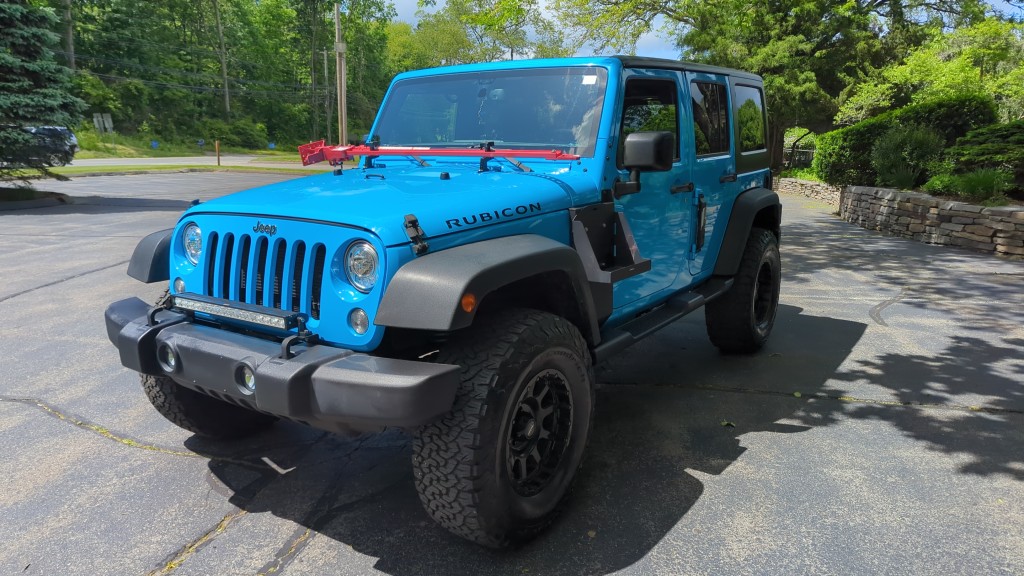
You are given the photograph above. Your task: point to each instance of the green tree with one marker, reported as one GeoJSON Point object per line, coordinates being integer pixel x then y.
{"type": "Point", "coordinates": [808, 51]}
{"type": "Point", "coordinates": [986, 58]}
{"type": "Point", "coordinates": [34, 88]}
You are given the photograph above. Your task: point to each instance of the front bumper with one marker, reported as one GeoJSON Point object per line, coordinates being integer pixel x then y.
{"type": "Point", "coordinates": [322, 386]}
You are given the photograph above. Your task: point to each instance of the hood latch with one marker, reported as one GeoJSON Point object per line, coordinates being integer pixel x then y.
{"type": "Point", "coordinates": [415, 233]}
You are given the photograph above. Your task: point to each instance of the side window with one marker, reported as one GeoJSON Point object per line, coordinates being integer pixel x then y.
{"type": "Point", "coordinates": [750, 117]}
{"type": "Point", "coordinates": [650, 105]}
{"type": "Point", "coordinates": [710, 118]}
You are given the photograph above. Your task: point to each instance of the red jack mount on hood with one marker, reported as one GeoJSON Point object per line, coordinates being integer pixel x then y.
{"type": "Point", "coordinates": [318, 152]}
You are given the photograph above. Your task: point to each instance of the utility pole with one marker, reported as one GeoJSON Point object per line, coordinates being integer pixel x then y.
{"type": "Point", "coordinates": [327, 96]}
{"type": "Point", "coordinates": [223, 62]}
{"type": "Point", "coordinates": [339, 54]}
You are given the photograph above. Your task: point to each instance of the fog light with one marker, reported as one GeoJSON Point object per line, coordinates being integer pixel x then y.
{"type": "Point", "coordinates": [248, 378]}
{"type": "Point", "coordinates": [179, 286]}
{"type": "Point", "coordinates": [167, 358]}
{"type": "Point", "coordinates": [358, 320]}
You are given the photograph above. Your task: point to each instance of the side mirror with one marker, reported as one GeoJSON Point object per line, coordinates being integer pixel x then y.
{"type": "Point", "coordinates": [649, 151]}
{"type": "Point", "coordinates": [645, 152]}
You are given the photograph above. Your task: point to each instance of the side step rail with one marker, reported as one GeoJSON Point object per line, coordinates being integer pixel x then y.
{"type": "Point", "coordinates": [617, 339]}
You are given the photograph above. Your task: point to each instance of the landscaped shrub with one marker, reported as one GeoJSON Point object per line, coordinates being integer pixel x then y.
{"type": "Point", "coordinates": [843, 156]}
{"type": "Point", "coordinates": [901, 155]}
{"type": "Point", "coordinates": [942, 185]}
{"type": "Point", "coordinates": [983, 184]}
{"type": "Point", "coordinates": [987, 185]}
{"type": "Point", "coordinates": [997, 146]}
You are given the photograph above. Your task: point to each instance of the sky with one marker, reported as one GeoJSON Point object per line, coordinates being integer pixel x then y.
{"type": "Point", "coordinates": [649, 45]}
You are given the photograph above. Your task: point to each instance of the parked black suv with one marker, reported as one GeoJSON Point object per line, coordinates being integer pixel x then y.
{"type": "Point", "coordinates": [56, 145]}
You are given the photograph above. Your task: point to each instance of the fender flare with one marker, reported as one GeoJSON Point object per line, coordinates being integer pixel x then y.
{"type": "Point", "coordinates": [744, 215]}
{"type": "Point", "coordinates": [426, 293]}
{"type": "Point", "coordinates": [151, 261]}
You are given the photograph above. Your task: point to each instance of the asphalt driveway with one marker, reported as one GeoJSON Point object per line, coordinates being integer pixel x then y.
{"type": "Point", "coordinates": [881, 431]}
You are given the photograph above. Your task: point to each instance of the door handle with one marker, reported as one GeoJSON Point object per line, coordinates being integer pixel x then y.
{"type": "Point", "coordinates": [702, 219]}
{"type": "Point", "coordinates": [688, 187]}
{"type": "Point", "coordinates": [727, 178]}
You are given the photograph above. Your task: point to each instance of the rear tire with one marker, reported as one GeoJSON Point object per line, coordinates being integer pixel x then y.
{"type": "Point", "coordinates": [496, 468]}
{"type": "Point", "coordinates": [199, 413]}
{"type": "Point", "coordinates": [741, 319]}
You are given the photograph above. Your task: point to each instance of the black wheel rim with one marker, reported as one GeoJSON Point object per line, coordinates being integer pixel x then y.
{"type": "Point", "coordinates": [764, 295]}
{"type": "Point", "coordinates": [539, 432]}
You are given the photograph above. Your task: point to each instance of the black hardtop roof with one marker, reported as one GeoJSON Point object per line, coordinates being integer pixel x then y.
{"type": "Point", "coordinates": [666, 64]}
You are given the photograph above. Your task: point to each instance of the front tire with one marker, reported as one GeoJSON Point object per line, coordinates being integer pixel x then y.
{"type": "Point", "coordinates": [199, 413]}
{"type": "Point", "coordinates": [741, 319]}
{"type": "Point", "coordinates": [202, 414]}
{"type": "Point", "coordinates": [495, 469]}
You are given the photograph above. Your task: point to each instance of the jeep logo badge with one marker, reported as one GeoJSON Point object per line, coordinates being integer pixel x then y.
{"type": "Point", "coordinates": [268, 229]}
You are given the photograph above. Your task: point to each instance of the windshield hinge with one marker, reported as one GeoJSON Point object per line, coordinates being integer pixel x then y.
{"type": "Point", "coordinates": [415, 233]}
{"type": "Point", "coordinates": [486, 147]}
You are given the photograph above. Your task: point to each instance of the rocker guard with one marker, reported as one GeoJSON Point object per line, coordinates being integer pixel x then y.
{"type": "Point", "coordinates": [325, 387]}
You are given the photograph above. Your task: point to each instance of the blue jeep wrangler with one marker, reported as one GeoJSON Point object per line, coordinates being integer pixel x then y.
{"type": "Point", "coordinates": [509, 225]}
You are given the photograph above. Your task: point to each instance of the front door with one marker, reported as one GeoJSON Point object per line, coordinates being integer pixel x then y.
{"type": "Point", "coordinates": [660, 215]}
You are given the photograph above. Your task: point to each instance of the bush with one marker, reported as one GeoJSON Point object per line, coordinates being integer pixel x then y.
{"type": "Point", "coordinates": [901, 155]}
{"type": "Point", "coordinates": [942, 185]}
{"type": "Point", "coordinates": [249, 134]}
{"type": "Point", "coordinates": [983, 184]}
{"type": "Point", "coordinates": [239, 134]}
{"type": "Point", "coordinates": [986, 185]}
{"type": "Point", "coordinates": [843, 156]}
{"type": "Point", "coordinates": [999, 146]}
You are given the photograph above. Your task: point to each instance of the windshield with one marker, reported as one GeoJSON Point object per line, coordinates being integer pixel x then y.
{"type": "Point", "coordinates": [545, 108]}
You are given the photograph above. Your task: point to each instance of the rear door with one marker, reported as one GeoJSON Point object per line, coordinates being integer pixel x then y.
{"type": "Point", "coordinates": [714, 162]}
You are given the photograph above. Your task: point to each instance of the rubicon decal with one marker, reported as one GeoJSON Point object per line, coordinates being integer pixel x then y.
{"type": "Point", "coordinates": [268, 229]}
{"type": "Point", "coordinates": [493, 215]}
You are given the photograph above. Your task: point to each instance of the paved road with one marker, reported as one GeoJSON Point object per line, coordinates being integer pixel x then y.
{"type": "Point", "coordinates": [880, 432]}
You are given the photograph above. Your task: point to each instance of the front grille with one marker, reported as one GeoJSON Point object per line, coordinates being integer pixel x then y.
{"type": "Point", "coordinates": [267, 272]}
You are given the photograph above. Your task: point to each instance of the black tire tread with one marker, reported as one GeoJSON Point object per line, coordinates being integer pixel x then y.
{"type": "Point", "coordinates": [202, 414]}
{"type": "Point", "coordinates": [726, 318]}
{"type": "Point", "coordinates": [446, 472]}
{"type": "Point", "coordinates": [199, 413]}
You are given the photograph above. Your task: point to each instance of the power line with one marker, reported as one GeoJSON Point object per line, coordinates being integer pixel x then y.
{"type": "Point", "coordinates": [164, 45]}
{"type": "Point", "coordinates": [194, 88]}
{"type": "Point", "coordinates": [178, 72]}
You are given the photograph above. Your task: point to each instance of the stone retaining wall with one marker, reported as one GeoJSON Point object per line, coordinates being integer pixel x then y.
{"type": "Point", "coordinates": [998, 230]}
{"type": "Point", "coordinates": [817, 190]}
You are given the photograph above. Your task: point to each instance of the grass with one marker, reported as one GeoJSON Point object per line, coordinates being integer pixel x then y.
{"type": "Point", "coordinates": [138, 146]}
{"type": "Point", "coordinates": [801, 174]}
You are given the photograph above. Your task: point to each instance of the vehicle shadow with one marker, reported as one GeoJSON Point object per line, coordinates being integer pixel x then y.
{"type": "Point", "coordinates": [664, 410]}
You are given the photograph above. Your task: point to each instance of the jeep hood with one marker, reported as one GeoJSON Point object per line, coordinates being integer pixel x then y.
{"type": "Point", "coordinates": [378, 199]}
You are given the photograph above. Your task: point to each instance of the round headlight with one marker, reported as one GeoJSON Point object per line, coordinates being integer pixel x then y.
{"type": "Point", "coordinates": [361, 266]}
{"type": "Point", "coordinates": [192, 239]}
